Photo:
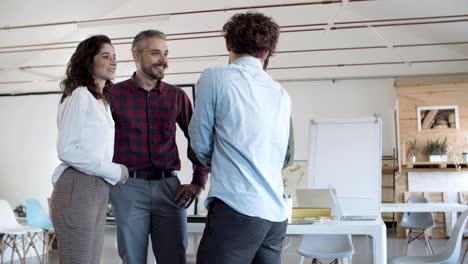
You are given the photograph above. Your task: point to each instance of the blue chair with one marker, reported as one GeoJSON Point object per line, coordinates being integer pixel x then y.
{"type": "Point", "coordinates": [37, 217]}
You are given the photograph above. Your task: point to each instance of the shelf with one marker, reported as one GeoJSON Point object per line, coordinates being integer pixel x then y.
{"type": "Point", "coordinates": [436, 169]}
{"type": "Point", "coordinates": [433, 165]}
{"type": "Point", "coordinates": [389, 168]}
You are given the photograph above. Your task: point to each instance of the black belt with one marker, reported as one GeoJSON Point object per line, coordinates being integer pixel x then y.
{"type": "Point", "coordinates": [153, 175]}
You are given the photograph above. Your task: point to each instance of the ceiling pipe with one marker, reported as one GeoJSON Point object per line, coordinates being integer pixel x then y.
{"type": "Point", "coordinates": [216, 34]}
{"type": "Point", "coordinates": [344, 78]}
{"type": "Point", "coordinates": [117, 19]}
{"type": "Point", "coordinates": [214, 56]}
{"type": "Point", "coordinates": [280, 68]}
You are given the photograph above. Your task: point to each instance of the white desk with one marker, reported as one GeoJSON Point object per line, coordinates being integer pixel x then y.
{"type": "Point", "coordinates": [374, 228]}
{"type": "Point", "coordinates": [451, 208]}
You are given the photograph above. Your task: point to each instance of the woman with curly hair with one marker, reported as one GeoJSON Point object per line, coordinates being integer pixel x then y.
{"type": "Point", "coordinates": [85, 145]}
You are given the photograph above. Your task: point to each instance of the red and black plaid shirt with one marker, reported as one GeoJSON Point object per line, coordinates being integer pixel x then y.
{"type": "Point", "coordinates": [145, 127]}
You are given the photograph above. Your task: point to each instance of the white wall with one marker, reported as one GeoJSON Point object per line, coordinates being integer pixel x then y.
{"type": "Point", "coordinates": [27, 139]}
{"type": "Point", "coordinates": [28, 134]}
{"type": "Point", "coordinates": [342, 98]}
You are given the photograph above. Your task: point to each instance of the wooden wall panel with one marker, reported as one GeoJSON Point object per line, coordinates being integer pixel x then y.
{"type": "Point", "coordinates": [413, 93]}
{"type": "Point", "coordinates": [411, 97]}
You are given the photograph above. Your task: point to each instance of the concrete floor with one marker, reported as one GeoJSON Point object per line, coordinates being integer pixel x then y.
{"type": "Point", "coordinates": [362, 246]}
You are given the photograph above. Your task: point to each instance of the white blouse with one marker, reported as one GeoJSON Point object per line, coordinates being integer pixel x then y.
{"type": "Point", "coordinates": [86, 137]}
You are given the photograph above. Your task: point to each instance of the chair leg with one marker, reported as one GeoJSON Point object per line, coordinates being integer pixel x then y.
{"type": "Point", "coordinates": [33, 245]}
{"type": "Point", "coordinates": [44, 243]}
{"type": "Point", "coordinates": [302, 260]}
{"type": "Point", "coordinates": [2, 248]}
{"type": "Point", "coordinates": [316, 261]}
{"type": "Point", "coordinates": [49, 245]}
{"type": "Point", "coordinates": [428, 243]}
{"type": "Point", "coordinates": [405, 249]}
{"type": "Point", "coordinates": [46, 247]}
{"type": "Point", "coordinates": [25, 251]}
{"type": "Point", "coordinates": [14, 248]}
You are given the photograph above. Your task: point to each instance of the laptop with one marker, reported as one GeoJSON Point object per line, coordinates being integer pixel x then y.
{"type": "Point", "coordinates": [326, 198]}
{"type": "Point", "coordinates": [316, 198]}
{"type": "Point", "coordinates": [358, 217]}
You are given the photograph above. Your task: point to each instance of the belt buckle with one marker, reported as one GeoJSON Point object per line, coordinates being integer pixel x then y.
{"type": "Point", "coordinates": [149, 175]}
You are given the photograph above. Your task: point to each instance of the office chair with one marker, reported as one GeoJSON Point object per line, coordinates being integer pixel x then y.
{"type": "Point", "coordinates": [466, 247]}
{"type": "Point", "coordinates": [13, 231]}
{"type": "Point", "coordinates": [451, 252]}
{"type": "Point", "coordinates": [326, 247]}
{"type": "Point", "coordinates": [463, 196]}
{"type": "Point", "coordinates": [331, 246]}
{"type": "Point", "coordinates": [417, 221]}
{"type": "Point", "coordinates": [37, 217]}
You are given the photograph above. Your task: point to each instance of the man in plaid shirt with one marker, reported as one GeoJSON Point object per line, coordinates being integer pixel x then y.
{"type": "Point", "coordinates": [152, 201]}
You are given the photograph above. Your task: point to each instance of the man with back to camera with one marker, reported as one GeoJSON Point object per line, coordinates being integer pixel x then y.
{"type": "Point", "coordinates": [241, 129]}
{"type": "Point", "coordinates": [152, 201]}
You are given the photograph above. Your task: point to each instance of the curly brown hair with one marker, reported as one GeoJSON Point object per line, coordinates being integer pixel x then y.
{"type": "Point", "coordinates": [251, 33]}
{"type": "Point", "coordinates": [80, 69]}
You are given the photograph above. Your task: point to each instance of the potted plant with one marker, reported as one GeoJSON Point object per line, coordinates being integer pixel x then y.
{"type": "Point", "coordinates": [20, 210]}
{"type": "Point", "coordinates": [465, 157]}
{"type": "Point", "coordinates": [412, 150]}
{"type": "Point", "coordinates": [437, 150]}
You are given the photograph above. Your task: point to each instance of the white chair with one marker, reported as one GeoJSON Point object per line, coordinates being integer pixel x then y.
{"type": "Point", "coordinates": [450, 253]}
{"type": "Point", "coordinates": [417, 221]}
{"type": "Point", "coordinates": [12, 231]}
{"type": "Point", "coordinates": [466, 247]}
{"type": "Point", "coordinates": [334, 247]}
{"type": "Point", "coordinates": [317, 247]}
{"type": "Point", "coordinates": [463, 196]}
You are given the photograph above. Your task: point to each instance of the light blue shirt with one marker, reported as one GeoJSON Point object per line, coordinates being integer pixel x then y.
{"type": "Point", "coordinates": [241, 128]}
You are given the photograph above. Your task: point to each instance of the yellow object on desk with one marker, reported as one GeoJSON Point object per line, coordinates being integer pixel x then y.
{"type": "Point", "coordinates": [306, 212]}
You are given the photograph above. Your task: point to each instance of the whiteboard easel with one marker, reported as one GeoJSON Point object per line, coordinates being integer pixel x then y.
{"type": "Point", "coordinates": [346, 154]}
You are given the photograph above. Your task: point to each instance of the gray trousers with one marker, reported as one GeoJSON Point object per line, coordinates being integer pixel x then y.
{"type": "Point", "coordinates": [233, 238]}
{"type": "Point", "coordinates": [78, 213]}
{"type": "Point", "coordinates": [145, 208]}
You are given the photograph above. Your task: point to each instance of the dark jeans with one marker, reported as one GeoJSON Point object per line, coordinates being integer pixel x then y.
{"type": "Point", "coordinates": [230, 238]}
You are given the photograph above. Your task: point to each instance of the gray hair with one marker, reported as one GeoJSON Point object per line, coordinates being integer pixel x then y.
{"type": "Point", "coordinates": [143, 35]}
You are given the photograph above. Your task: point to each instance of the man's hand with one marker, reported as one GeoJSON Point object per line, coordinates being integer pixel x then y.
{"type": "Point", "coordinates": [123, 174]}
{"type": "Point", "coordinates": [187, 194]}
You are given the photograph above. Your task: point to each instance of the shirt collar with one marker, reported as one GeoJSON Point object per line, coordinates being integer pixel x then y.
{"type": "Point", "coordinates": [249, 61]}
{"type": "Point", "coordinates": [161, 89]}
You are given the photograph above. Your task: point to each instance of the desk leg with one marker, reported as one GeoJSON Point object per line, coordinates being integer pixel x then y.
{"type": "Point", "coordinates": [379, 238]}
{"type": "Point", "coordinates": [452, 219]}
